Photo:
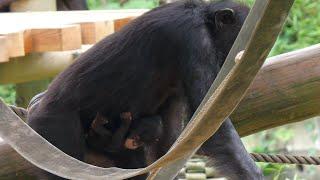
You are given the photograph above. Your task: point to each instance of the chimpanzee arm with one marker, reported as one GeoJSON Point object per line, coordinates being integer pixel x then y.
{"type": "Point", "coordinates": [118, 137]}
{"type": "Point", "coordinates": [229, 155]}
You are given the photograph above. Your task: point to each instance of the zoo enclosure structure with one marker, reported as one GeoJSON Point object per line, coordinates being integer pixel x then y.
{"type": "Point", "coordinates": [276, 97]}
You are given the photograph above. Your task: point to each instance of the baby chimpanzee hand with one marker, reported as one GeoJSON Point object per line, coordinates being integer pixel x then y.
{"type": "Point", "coordinates": [144, 131]}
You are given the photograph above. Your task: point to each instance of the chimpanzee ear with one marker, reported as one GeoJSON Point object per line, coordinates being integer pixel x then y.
{"type": "Point", "coordinates": [224, 16]}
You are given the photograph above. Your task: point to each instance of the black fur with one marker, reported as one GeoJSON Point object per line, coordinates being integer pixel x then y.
{"type": "Point", "coordinates": [131, 134]}
{"type": "Point", "coordinates": [172, 51]}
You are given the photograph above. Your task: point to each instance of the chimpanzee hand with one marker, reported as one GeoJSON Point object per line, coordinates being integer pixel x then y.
{"type": "Point", "coordinates": [144, 131]}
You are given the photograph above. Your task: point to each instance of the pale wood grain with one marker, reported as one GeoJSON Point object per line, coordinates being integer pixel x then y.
{"type": "Point", "coordinates": [92, 32]}
{"type": "Point", "coordinates": [4, 49]}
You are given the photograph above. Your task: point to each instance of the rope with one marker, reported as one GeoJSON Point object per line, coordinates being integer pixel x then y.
{"type": "Point", "coordinates": [285, 159]}
{"type": "Point", "coordinates": [257, 157]}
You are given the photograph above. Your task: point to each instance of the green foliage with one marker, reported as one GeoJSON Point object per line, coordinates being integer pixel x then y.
{"type": "Point", "coordinates": [247, 2]}
{"type": "Point", "coordinates": [302, 28]}
{"type": "Point", "coordinates": [8, 93]}
{"type": "Point", "coordinates": [272, 169]}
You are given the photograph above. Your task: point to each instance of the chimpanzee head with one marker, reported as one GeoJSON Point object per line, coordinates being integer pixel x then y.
{"type": "Point", "coordinates": [224, 20]}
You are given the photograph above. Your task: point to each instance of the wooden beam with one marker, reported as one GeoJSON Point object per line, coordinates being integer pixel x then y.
{"type": "Point", "coordinates": [286, 90]}
{"type": "Point", "coordinates": [29, 20]}
{"type": "Point", "coordinates": [15, 40]}
{"type": "Point", "coordinates": [92, 32]}
{"type": "Point", "coordinates": [47, 65]}
{"type": "Point", "coordinates": [119, 23]}
{"type": "Point", "coordinates": [61, 38]}
{"type": "Point", "coordinates": [4, 49]}
{"type": "Point", "coordinates": [44, 31]}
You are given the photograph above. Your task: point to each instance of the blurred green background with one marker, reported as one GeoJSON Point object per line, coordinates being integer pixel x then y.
{"type": "Point", "coordinates": [302, 29]}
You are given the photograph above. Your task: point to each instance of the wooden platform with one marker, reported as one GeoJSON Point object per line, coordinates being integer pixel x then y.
{"type": "Point", "coordinates": [23, 33]}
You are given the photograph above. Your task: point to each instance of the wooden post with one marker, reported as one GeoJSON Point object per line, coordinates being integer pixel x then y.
{"type": "Point", "coordinates": [286, 90]}
{"type": "Point", "coordinates": [25, 91]}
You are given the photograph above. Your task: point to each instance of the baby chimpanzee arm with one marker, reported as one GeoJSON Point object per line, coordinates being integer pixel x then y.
{"type": "Point", "coordinates": [118, 137]}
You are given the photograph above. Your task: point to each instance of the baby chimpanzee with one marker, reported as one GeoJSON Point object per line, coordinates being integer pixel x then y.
{"type": "Point", "coordinates": [125, 147]}
{"type": "Point", "coordinates": [118, 142]}
{"type": "Point", "coordinates": [129, 135]}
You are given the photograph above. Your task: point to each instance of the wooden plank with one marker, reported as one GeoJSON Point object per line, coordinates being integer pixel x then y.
{"type": "Point", "coordinates": [109, 27]}
{"type": "Point", "coordinates": [27, 20]}
{"type": "Point", "coordinates": [4, 49]}
{"type": "Point", "coordinates": [286, 90]}
{"type": "Point", "coordinates": [15, 43]}
{"type": "Point", "coordinates": [119, 23]}
{"type": "Point", "coordinates": [26, 31]}
{"type": "Point", "coordinates": [92, 32]}
{"type": "Point", "coordinates": [71, 38]}
{"type": "Point", "coordinates": [56, 38]}
{"type": "Point", "coordinates": [27, 40]}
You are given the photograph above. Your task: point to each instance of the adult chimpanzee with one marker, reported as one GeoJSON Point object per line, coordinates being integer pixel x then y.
{"type": "Point", "coordinates": [172, 52]}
